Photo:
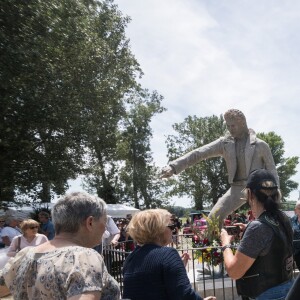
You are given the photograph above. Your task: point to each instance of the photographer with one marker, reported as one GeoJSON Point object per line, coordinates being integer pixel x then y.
{"type": "Point", "coordinates": [263, 262]}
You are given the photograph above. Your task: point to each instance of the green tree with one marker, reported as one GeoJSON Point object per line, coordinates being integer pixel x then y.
{"type": "Point", "coordinates": [206, 181]}
{"type": "Point", "coordinates": [126, 174]}
{"type": "Point", "coordinates": [178, 211]}
{"type": "Point", "coordinates": [140, 182]}
{"type": "Point", "coordinates": [65, 68]}
{"type": "Point", "coordinates": [286, 167]}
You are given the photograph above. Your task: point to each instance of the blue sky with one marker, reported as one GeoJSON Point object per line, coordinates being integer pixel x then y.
{"type": "Point", "coordinates": [205, 57]}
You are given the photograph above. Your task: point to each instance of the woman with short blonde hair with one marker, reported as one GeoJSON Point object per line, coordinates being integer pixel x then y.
{"type": "Point", "coordinates": [152, 270]}
{"type": "Point", "coordinates": [149, 226]}
{"type": "Point", "coordinates": [29, 238]}
{"type": "Point", "coordinates": [28, 223]}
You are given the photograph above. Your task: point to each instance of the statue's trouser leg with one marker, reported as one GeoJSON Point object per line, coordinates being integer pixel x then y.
{"type": "Point", "coordinates": [228, 203]}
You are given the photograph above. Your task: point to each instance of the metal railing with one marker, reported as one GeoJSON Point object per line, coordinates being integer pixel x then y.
{"type": "Point", "coordinates": [114, 259]}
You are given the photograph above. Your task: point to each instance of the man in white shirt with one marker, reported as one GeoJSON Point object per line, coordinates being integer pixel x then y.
{"type": "Point", "coordinates": [112, 233]}
{"type": "Point", "coordinates": [110, 236]}
{"type": "Point", "coordinates": [110, 239]}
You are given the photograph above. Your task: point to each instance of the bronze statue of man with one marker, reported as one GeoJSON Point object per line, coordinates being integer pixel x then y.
{"type": "Point", "coordinates": [243, 152]}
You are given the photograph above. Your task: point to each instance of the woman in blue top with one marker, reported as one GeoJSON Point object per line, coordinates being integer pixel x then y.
{"type": "Point", "coordinates": [153, 271]}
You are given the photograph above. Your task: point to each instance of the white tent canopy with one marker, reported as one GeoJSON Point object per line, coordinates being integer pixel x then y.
{"type": "Point", "coordinates": [19, 212]}
{"type": "Point", "coordinates": [114, 210]}
{"type": "Point", "coordinates": [120, 210]}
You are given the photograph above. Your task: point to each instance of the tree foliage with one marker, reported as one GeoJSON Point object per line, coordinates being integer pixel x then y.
{"type": "Point", "coordinates": [65, 67]}
{"type": "Point", "coordinates": [286, 167]}
{"type": "Point", "coordinates": [139, 176]}
{"type": "Point", "coordinates": [131, 176]}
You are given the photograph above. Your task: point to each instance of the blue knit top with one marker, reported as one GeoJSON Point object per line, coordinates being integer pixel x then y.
{"type": "Point", "coordinates": [152, 272]}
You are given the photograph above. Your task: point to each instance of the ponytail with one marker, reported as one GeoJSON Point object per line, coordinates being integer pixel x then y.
{"type": "Point", "coordinates": [269, 199]}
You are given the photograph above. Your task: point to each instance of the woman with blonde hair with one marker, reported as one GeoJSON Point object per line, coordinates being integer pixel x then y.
{"type": "Point", "coordinates": [153, 271]}
{"type": "Point", "coordinates": [30, 237]}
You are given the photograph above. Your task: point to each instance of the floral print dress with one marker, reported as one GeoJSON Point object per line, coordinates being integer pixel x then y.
{"type": "Point", "coordinates": [58, 274]}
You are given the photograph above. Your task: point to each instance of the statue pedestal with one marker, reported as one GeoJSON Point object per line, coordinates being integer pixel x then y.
{"type": "Point", "coordinates": [209, 272]}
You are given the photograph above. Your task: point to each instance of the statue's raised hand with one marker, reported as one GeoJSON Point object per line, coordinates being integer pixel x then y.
{"type": "Point", "coordinates": [167, 172]}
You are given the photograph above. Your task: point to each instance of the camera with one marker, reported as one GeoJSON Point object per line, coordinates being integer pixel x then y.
{"type": "Point", "coordinates": [232, 230]}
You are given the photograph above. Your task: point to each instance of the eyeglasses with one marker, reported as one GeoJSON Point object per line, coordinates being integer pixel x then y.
{"type": "Point", "coordinates": [33, 227]}
{"type": "Point", "coordinates": [171, 226]}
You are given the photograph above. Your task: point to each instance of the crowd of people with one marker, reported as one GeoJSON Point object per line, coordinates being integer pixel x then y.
{"type": "Point", "coordinates": [66, 266]}
{"type": "Point", "coordinates": [60, 256]}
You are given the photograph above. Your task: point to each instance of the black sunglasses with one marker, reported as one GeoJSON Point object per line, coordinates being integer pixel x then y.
{"type": "Point", "coordinates": [33, 227]}
{"type": "Point", "coordinates": [171, 226]}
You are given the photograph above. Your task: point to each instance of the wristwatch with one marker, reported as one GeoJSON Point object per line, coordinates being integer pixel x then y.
{"type": "Point", "coordinates": [225, 247]}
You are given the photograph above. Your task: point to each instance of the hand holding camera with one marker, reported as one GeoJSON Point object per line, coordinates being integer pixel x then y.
{"type": "Point", "coordinates": [232, 230]}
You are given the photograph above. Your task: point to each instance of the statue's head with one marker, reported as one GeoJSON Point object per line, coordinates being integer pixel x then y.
{"type": "Point", "coordinates": [236, 122]}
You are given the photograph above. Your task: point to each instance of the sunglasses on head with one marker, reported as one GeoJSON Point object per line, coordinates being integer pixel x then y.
{"type": "Point", "coordinates": [171, 226]}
